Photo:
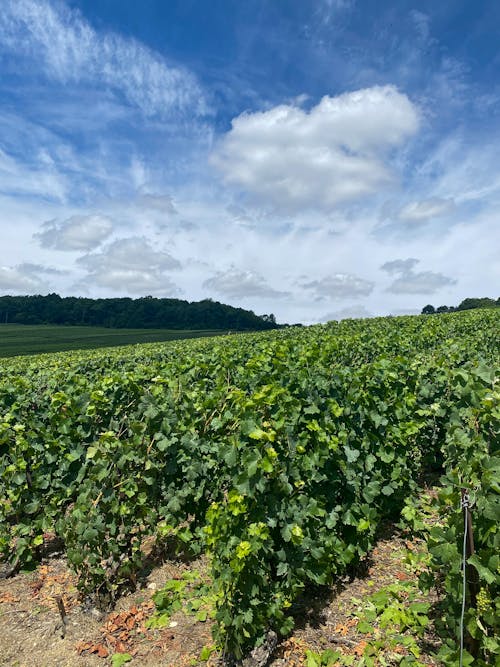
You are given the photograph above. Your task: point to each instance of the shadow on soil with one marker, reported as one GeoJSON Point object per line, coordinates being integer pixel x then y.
{"type": "Point", "coordinates": [310, 607]}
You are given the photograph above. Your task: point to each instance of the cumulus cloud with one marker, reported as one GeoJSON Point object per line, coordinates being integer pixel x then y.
{"type": "Point", "coordinates": [72, 51]}
{"type": "Point", "coordinates": [133, 253]}
{"type": "Point", "coordinates": [400, 265]}
{"type": "Point", "coordinates": [412, 282]}
{"type": "Point", "coordinates": [424, 282]}
{"type": "Point", "coordinates": [336, 152]}
{"type": "Point", "coordinates": [80, 232]}
{"type": "Point", "coordinates": [339, 286]}
{"type": "Point", "coordinates": [25, 278]}
{"type": "Point", "coordinates": [130, 281]}
{"type": "Point", "coordinates": [131, 265]}
{"type": "Point", "coordinates": [235, 283]}
{"type": "Point", "coordinates": [37, 269]}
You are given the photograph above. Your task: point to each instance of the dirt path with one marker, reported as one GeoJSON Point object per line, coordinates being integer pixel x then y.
{"type": "Point", "coordinates": [32, 630]}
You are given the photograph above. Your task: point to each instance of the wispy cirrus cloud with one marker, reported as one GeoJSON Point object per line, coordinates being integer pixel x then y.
{"type": "Point", "coordinates": [426, 209]}
{"type": "Point", "coordinates": [72, 51]}
{"type": "Point", "coordinates": [41, 157]}
{"type": "Point", "coordinates": [41, 179]}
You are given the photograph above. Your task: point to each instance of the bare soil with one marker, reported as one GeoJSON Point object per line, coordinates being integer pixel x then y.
{"type": "Point", "coordinates": [32, 633]}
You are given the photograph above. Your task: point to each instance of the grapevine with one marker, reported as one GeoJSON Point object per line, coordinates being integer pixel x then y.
{"type": "Point", "coordinates": [279, 453]}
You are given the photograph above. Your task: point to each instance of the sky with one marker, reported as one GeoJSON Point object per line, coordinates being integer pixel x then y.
{"type": "Point", "coordinates": [314, 159]}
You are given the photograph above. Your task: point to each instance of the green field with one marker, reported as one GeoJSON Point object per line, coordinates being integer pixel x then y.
{"type": "Point", "coordinates": [18, 339]}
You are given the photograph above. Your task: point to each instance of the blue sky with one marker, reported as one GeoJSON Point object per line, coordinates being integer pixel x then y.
{"type": "Point", "coordinates": [312, 158]}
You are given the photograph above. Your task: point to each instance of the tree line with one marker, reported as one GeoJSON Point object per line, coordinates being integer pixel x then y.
{"type": "Point", "coordinates": [466, 304]}
{"type": "Point", "coordinates": [143, 313]}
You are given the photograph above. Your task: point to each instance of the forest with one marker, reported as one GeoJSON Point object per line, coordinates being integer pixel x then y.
{"type": "Point", "coordinates": [143, 313]}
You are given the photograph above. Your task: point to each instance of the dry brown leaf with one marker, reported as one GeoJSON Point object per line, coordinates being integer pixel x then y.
{"type": "Point", "coordinates": [359, 649]}
{"type": "Point", "coordinates": [81, 647]}
{"type": "Point", "coordinates": [342, 629]}
{"type": "Point", "coordinates": [102, 651]}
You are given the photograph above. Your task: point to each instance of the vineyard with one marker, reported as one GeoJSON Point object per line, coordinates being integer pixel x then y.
{"type": "Point", "coordinates": [279, 455]}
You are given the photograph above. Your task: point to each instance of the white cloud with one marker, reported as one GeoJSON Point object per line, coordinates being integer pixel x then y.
{"type": "Point", "coordinates": [161, 203]}
{"type": "Point", "coordinates": [234, 283]}
{"type": "Point", "coordinates": [42, 180]}
{"type": "Point", "coordinates": [327, 13]}
{"type": "Point", "coordinates": [20, 279]}
{"type": "Point", "coordinates": [426, 209]}
{"type": "Point", "coordinates": [425, 282]}
{"type": "Point", "coordinates": [337, 5]}
{"type": "Point", "coordinates": [411, 282]}
{"type": "Point", "coordinates": [336, 152]}
{"type": "Point", "coordinates": [240, 216]}
{"type": "Point", "coordinates": [130, 266]}
{"type": "Point", "coordinates": [72, 51]}
{"type": "Point", "coordinates": [133, 253]}
{"type": "Point", "coordinates": [35, 269]}
{"type": "Point", "coordinates": [466, 172]}
{"type": "Point", "coordinates": [129, 281]}
{"type": "Point", "coordinates": [400, 265]}
{"type": "Point", "coordinates": [339, 286]}
{"type": "Point", "coordinates": [80, 232]}
{"type": "Point", "coordinates": [41, 160]}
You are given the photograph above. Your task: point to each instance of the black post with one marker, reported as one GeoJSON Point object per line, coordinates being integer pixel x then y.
{"type": "Point", "coordinates": [471, 573]}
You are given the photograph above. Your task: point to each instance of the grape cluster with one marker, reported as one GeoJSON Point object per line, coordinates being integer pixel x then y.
{"type": "Point", "coordinates": [483, 601]}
